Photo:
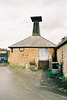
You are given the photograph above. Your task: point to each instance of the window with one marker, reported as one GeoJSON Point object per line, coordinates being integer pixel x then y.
{"type": "Point", "coordinates": [21, 49]}
{"type": "Point", "coordinates": [11, 50]}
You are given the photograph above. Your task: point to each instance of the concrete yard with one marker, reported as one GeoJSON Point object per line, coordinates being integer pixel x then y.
{"type": "Point", "coordinates": [22, 84]}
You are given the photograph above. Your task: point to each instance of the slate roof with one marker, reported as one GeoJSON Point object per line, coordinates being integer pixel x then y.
{"type": "Point", "coordinates": [64, 41]}
{"type": "Point", "coordinates": [33, 41]}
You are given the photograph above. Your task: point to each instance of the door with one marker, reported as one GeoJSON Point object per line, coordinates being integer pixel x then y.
{"type": "Point", "coordinates": [43, 53]}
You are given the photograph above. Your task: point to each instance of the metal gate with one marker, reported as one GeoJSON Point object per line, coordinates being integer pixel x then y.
{"type": "Point", "coordinates": [3, 57]}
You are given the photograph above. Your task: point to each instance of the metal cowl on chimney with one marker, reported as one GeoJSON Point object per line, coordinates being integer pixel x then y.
{"type": "Point", "coordinates": [36, 29]}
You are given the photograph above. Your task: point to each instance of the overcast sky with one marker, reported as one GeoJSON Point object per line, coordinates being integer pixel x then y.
{"type": "Point", "coordinates": [15, 22]}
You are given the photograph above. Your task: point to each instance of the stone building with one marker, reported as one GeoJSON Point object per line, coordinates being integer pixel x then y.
{"type": "Point", "coordinates": [62, 55]}
{"type": "Point", "coordinates": [34, 50]}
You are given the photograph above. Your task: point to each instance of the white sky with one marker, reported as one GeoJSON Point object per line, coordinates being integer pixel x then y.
{"type": "Point", "coordinates": [15, 22]}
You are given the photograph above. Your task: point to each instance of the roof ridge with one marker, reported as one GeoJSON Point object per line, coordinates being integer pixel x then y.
{"type": "Point", "coordinates": [62, 42]}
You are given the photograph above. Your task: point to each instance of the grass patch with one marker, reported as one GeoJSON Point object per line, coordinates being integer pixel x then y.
{"type": "Point", "coordinates": [46, 70]}
{"type": "Point", "coordinates": [15, 67]}
{"type": "Point", "coordinates": [51, 75]}
{"type": "Point", "coordinates": [40, 70]}
{"type": "Point", "coordinates": [58, 75]}
{"type": "Point", "coordinates": [64, 79]}
{"type": "Point", "coordinates": [8, 66]}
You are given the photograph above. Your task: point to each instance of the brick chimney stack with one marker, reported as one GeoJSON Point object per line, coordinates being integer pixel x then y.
{"type": "Point", "coordinates": [36, 29]}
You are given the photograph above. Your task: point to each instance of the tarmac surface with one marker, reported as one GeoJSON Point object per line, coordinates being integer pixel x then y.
{"type": "Point", "coordinates": [22, 84]}
{"type": "Point", "coordinates": [54, 85]}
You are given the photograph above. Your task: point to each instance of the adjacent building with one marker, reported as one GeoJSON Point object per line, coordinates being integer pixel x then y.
{"type": "Point", "coordinates": [34, 50]}
{"type": "Point", "coordinates": [62, 55]}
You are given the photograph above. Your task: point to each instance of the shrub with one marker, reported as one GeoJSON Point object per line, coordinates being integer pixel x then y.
{"type": "Point", "coordinates": [46, 70]}
{"type": "Point", "coordinates": [51, 75]}
{"type": "Point", "coordinates": [58, 75]}
{"type": "Point", "coordinates": [8, 62]}
{"type": "Point", "coordinates": [64, 79]}
{"type": "Point", "coordinates": [33, 69]}
{"type": "Point", "coordinates": [49, 69]}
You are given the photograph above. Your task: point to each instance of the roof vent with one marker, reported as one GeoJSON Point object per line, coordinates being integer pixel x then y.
{"type": "Point", "coordinates": [36, 29]}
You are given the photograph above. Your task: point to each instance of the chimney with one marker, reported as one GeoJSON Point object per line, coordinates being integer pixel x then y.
{"type": "Point", "coordinates": [36, 29]}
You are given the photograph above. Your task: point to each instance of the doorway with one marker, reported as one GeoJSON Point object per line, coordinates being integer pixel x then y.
{"type": "Point", "coordinates": [43, 53]}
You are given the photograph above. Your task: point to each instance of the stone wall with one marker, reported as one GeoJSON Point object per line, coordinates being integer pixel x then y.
{"type": "Point", "coordinates": [62, 57]}
{"type": "Point", "coordinates": [18, 58]}
{"type": "Point", "coordinates": [51, 56]}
